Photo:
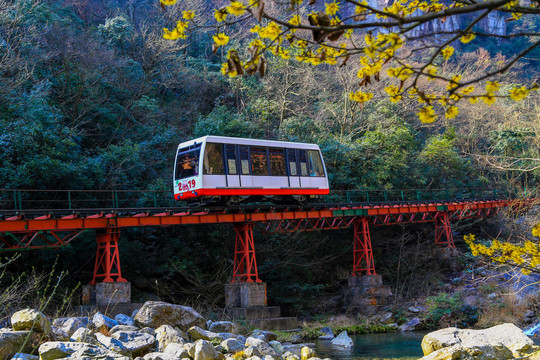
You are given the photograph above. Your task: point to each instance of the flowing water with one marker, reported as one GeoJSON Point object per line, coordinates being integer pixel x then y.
{"type": "Point", "coordinates": [402, 346]}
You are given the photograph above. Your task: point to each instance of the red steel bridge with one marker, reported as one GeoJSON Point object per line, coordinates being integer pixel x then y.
{"type": "Point", "coordinates": [36, 219]}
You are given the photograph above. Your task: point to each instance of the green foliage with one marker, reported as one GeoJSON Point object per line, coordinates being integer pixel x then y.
{"type": "Point", "coordinates": [449, 310]}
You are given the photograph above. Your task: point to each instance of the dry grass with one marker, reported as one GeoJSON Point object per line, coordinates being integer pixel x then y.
{"type": "Point", "coordinates": [506, 308]}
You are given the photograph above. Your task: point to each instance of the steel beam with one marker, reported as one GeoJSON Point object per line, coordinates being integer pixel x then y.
{"type": "Point", "coordinates": [363, 254]}
{"type": "Point", "coordinates": [107, 265]}
{"type": "Point", "coordinates": [245, 263]}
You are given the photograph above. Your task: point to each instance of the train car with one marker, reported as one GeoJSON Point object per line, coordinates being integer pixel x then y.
{"type": "Point", "coordinates": [217, 169]}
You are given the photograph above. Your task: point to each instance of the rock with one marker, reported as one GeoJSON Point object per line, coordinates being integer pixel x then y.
{"type": "Point", "coordinates": [135, 341]}
{"type": "Point", "coordinates": [328, 333]}
{"type": "Point", "coordinates": [251, 351]}
{"type": "Point", "coordinates": [276, 345]}
{"type": "Point", "coordinates": [122, 319]}
{"type": "Point", "coordinates": [166, 335]}
{"type": "Point", "coordinates": [455, 352]}
{"type": "Point", "coordinates": [267, 334]}
{"type": "Point", "coordinates": [223, 327]}
{"type": "Point", "coordinates": [415, 309]}
{"type": "Point", "coordinates": [100, 321]}
{"type": "Point", "coordinates": [177, 350]}
{"type": "Point", "coordinates": [204, 351]}
{"type": "Point", "coordinates": [157, 313]}
{"type": "Point", "coordinates": [410, 325]}
{"type": "Point", "coordinates": [159, 356]}
{"type": "Point", "coordinates": [197, 333]}
{"type": "Point", "coordinates": [491, 342]}
{"type": "Point", "coordinates": [12, 342]}
{"type": "Point", "coordinates": [253, 358]}
{"type": "Point", "coordinates": [30, 319]}
{"type": "Point", "coordinates": [23, 356]}
{"type": "Point", "coordinates": [343, 340]}
{"type": "Point", "coordinates": [84, 335]}
{"type": "Point", "coordinates": [393, 326]}
{"type": "Point", "coordinates": [387, 318]}
{"type": "Point", "coordinates": [290, 356]}
{"type": "Point", "coordinates": [296, 339]}
{"type": "Point", "coordinates": [149, 331]}
{"type": "Point", "coordinates": [134, 313]}
{"type": "Point", "coordinates": [307, 353]}
{"type": "Point", "coordinates": [267, 357]}
{"type": "Point", "coordinates": [232, 345]}
{"type": "Point", "coordinates": [112, 344]}
{"type": "Point", "coordinates": [123, 328]}
{"type": "Point", "coordinates": [190, 347]}
{"type": "Point", "coordinates": [262, 346]}
{"type": "Point", "coordinates": [96, 353]}
{"type": "Point", "coordinates": [65, 327]}
{"type": "Point", "coordinates": [60, 349]}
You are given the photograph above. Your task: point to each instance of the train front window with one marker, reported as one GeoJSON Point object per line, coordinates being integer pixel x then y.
{"type": "Point", "coordinates": [259, 161]}
{"type": "Point", "coordinates": [231, 160]}
{"type": "Point", "coordinates": [277, 162]}
{"type": "Point", "coordinates": [302, 158]}
{"type": "Point", "coordinates": [213, 159]}
{"type": "Point", "coordinates": [291, 156]}
{"type": "Point", "coordinates": [244, 159]}
{"type": "Point", "coordinates": [315, 164]}
{"type": "Point", "coordinates": [187, 162]}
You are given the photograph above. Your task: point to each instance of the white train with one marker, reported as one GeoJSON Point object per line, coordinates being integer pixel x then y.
{"type": "Point", "coordinates": [214, 169]}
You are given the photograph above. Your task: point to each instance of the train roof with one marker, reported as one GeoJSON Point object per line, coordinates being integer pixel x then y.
{"type": "Point", "coordinates": [245, 141]}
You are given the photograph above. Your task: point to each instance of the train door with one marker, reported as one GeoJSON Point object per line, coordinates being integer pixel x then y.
{"type": "Point", "coordinates": [305, 181]}
{"type": "Point", "coordinates": [231, 163]}
{"type": "Point", "coordinates": [246, 180]}
{"type": "Point", "coordinates": [292, 167]}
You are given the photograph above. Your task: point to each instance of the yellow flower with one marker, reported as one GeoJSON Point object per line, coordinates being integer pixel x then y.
{"type": "Point", "coordinates": [536, 230]}
{"type": "Point", "coordinates": [473, 100]}
{"type": "Point", "coordinates": [488, 99]}
{"type": "Point", "coordinates": [331, 8]}
{"type": "Point", "coordinates": [236, 8]}
{"type": "Point", "coordinates": [360, 97]}
{"type": "Point", "coordinates": [518, 94]}
{"type": "Point", "coordinates": [492, 86]}
{"type": "Point", "coordinates": [467, 38]}
{"type": "Point", "coordinates": [516, 15]}
{"type": "Point", "coordinates": [451, 112]}
{"type": "Point", "coordinates": [427, 115]}
{"type": "Point", "coordinates": [447, 52]}
{"type": "Point", "coordinates": [295, 20]}
{"type": "Point", "coordinates": [168, 2]}
{"type": "Point", "coordinates": [453, 83]}
{"type": "Point", "coordinates": [220, 14]}
{"type": "Point", "coordinates": [348, 34]}
{"type": "Point", "coordinates": [188, 15]}
{"type": "Point", "coordinates": [173, 34]}
{"type": "Point", "coordinates": [221, 39]}
{"type": "Point", "coordinates": [467, 90]}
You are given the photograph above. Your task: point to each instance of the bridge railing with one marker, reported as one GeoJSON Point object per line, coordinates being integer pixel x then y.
{"type": "Point", "coordinates": [19, 200]}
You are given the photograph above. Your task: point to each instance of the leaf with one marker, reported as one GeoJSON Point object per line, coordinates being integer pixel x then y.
{"type": "Point", "coordinates": [319, 19]}
{"type": "Point", "coordinates": [262, 66]}
{"type": "Point", "coordinates": [214, 48]}
{"type": "Point", "coordinates": [234, 62]}
{"type": "Point", "coordinates": [259, 11]}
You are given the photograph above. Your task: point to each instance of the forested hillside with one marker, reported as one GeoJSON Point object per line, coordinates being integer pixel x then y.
{"type": "Point", "coordinates": [93, 97]}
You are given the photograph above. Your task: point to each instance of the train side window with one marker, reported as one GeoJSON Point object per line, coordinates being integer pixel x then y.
{"type": "Point", "coordinates": [302, 159]}
{"type": "Point", "coordinates": [315, 164]}
{"type": "Point", "coordinates": [259, 161]}
{"type": "Point", "coordinates": [277, 162]}
{"type": "Point", "coordinates": [231, 159]}
{"type": "Point", "coordinates": [244, 159]}
{"type": "Point", "coordinates": [291, 156]}
{"type": "Point", "coordinates": [213, 159]}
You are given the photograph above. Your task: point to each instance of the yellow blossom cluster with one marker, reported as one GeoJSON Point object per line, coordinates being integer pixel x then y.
{"type": "Point", "coordinates": [179, 32]}
{"type": "Point", "coordinates": [525, 255]}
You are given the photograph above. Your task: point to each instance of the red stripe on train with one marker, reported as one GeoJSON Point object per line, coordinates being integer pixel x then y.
{"type": "Point", "coordinates": [250, 192]}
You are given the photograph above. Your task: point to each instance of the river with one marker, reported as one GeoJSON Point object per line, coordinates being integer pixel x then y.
{"type": "Point", "coordinates": [403, 346]}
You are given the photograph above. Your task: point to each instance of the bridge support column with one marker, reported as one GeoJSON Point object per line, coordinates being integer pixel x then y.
{"type": "Point", "coordinates": [113, 288]}
{"type": "Point", "coordinates": [365, 287]}
{"type": "Point", "coordinates": [443, 230]}
{"type": "Point", "coordinates": [246, 289]}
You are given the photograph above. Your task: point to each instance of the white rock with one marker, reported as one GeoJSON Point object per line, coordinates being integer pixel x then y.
{"type": "Point", "coordinates": [159, 356]}
{"type": "Point", "coordinates": [122, 319]}
{"type": "Point", "coordinates": [12, 342]}
{"type": "Point", "coordinates": [223, 327]}
{"type": "Point", "coordinates": [99, 320]}
{"type": "Point", "coordinates": [65, 327]}
{"type": "Point", "coordinates": [177, 350]}
{"type": "Point", "coordinates": [112, 344]}
{"type": "Point", "coordinates": [232, 345]}
{"type": "Point", "coordinates": [84, 335]}
{"type": "Point", "coordinates": [135, 341]}
{"type": "Point", "coordinates": [328, 333]}
{"type": "Point", "coordinates": [165, 335]}
{"type": "Point", "coordinates": [157, 313]}
{"type": "Point", "coordinates": [342, 340]}
{"type": "Point", "coordinates": [262, 346]}
{"type": "Point", "coordinates": [60, 349]}
{"type": "Point", "coordinates": [204, 351]}
{"type": "Point", "coordinates": [23, 356]}
{"type": "Point", "coordinates": [30, 319]}
{"type": "Point", "coordinates": [276, 345]}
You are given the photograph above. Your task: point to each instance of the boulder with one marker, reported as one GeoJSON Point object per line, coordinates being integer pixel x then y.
{"type": "Point", "coordinates": [84, 335]}
{"type": "Point", "coordinates": [253, 358]}
{"type": "Point", "coordinates": [149, 331]}
{"type": "Point", "coordinates": [276, 345]}
{"type": "Point", "coordinates": [122, 319]}
{"type": "Point", "coordinates": [97, 354]}
{"type": "Point", "coordinates": [159, 356]}
{"type": "Point", "coordinates": [204, 351]}
{"type": "Point", "coordinates": [290, 356]}
{"type": "Point", "coordinates": [411, 325]}
{"type": "Point", "coordinates": [177, 350]}
{"type": "Point", "coordinates": [232, 345]}
{"type": "Point", "coordinates": [490, 342]}
{"type": "Point", "coordinates": [342, 340]}
{"type": "Point", "coordinates": [223, 327]}
{"type": "Point", "coordinates": [457, 352]}
{"type": "Point", "coordinates": [307, 353]}
{"type": "Point", "coordinates": [60, 349]}
{"type": "Point", "coordinates": [136, 342]}
{"type": "Point", "coordinates": [30, 319]}
{"type": "Point", "coordinates": [100, 321]}
{"type": "Point", "coordinates": [267, 357]}
{"type": "Point", "coordinates": [267, 334]}
{"type": "Point", "coordinates": [262, 346]}
{"type": "Point", "coordinates": [165, 335]}
{"type": "Point", "coordinates": [12, 342]}
{"type": "Point", "coordinates": [65, 327]}
{"type": "Point", "coordinates": [123, 328]}
{"type": "Point", "coordinates": [252, 351]}
{"type": "Point", "coordinates": [112, 344]}
{"type": "Point", "coordinates": [23, 356]}
{"type": "Point", "coordinates": [296, 339]}
{"type": "Point", "coordinates": [296, 349]}
{"type": "Point", "coordinates": [157, 313]}
{"type": "Point", "coordinates": [197, 333]}
{"type": "Point", "coordinates": [327, 332]}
